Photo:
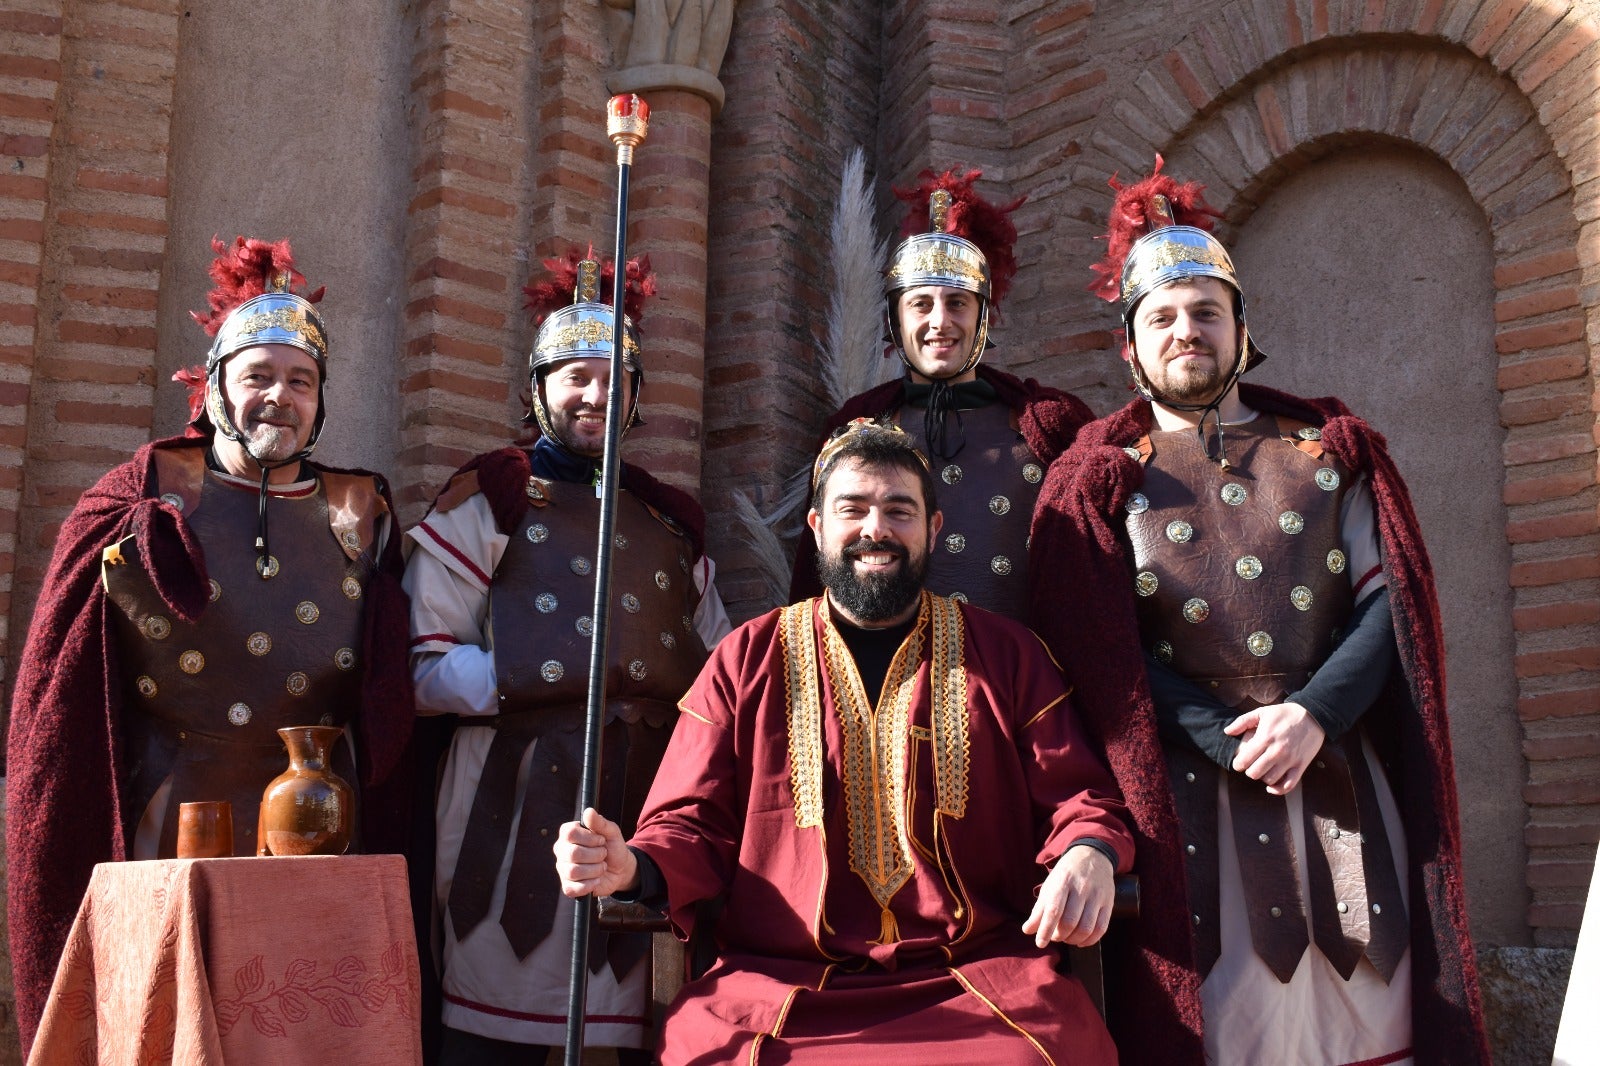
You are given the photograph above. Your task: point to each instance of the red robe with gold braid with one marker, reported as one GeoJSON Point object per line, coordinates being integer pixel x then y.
{"type": "Point", "coordinates": [64, 788]}
{"type": "Point", "coordinates": [1084, 605]}
{"type": "Point", "coordinates": [1047, 418]}
{"type": "Point", "coordinates": [877, 868]}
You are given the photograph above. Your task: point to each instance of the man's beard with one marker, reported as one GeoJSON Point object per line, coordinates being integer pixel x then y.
{"type": "Point", "coordinates": [1193, 385]}
{"type": "Point", "coordinates": [876, 597]}
{"type": "Point", "coordinates": [568, 431]}
{"type": "Point", "coordinates": [271, 443]}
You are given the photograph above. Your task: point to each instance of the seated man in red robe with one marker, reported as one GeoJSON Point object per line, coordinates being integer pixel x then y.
{"type": "Point", "coordinates": [890, 795]}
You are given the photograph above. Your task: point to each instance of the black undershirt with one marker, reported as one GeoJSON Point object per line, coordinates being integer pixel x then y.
{"type": "Point", "coordinates": [1336, 697]}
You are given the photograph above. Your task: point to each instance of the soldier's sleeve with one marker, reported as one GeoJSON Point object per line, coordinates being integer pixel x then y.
{"type": "Point", "coordinates": [452, 562]}
{"type": "Point", "coordinates": [1358, 528]}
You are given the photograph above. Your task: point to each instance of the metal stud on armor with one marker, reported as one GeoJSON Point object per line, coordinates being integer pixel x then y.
{"type": "Point", "coordinates": [986, 518]}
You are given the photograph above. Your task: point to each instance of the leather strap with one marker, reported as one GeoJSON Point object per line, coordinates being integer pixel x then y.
{"type": "Point", "coordinates": [1390, 935]}
{"type": "Point", "coordinates": [1333, 859]}
{"type": "Point", "coordinates": [1194, 791]}
{"type": "Point", "coordinates": [488, 829]}
{"type": "Point", "coordinates": [1270, 875]}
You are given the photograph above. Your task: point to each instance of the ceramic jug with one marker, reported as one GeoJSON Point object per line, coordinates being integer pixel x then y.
{"type": "Point", "coordinates": [308, 809]}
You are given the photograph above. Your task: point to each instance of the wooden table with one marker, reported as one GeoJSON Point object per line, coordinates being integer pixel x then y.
{"type": "Point", "coordinates": [239, 961]}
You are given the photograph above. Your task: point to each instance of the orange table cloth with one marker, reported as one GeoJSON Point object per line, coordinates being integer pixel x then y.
{"type": "Point", "coordinates": [239, 961]}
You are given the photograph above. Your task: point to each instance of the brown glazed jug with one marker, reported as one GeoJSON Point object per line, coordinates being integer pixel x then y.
{"type": "Point", "coordinates": [308, 809]}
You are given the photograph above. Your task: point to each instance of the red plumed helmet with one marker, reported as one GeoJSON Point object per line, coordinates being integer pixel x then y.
{"type": "Point", "coordinates": [1136, 212]}
{"type": "Point", "coordinates": [969, 216]}
{"type": "Point", "coordinates": [244, 270]}
{"type": "Point", "coordinates": [560, 286]}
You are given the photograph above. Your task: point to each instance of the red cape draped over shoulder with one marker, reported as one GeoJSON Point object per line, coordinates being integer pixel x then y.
{"type": "Point", "coordinates": [63, 798]}
{"type": "Point", "coordinates": [1084, 610]}
{"type": "Point", "coordinates": [502, 476]}
{"type": "Point", "coordinates": [1048, 419]}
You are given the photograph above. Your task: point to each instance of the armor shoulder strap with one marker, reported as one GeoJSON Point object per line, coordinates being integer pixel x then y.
{"type": "Point", "coordinates": [180, 472]}
{"type": "Point", "coordinates": [355, 507]}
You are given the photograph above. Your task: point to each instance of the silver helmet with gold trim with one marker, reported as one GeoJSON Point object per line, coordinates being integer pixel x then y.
{"type": "Point", "coordinates": [253, 304]}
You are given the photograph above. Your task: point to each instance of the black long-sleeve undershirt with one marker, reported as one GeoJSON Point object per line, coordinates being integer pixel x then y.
{"type": "Point", "coordinates": [1336, 696]}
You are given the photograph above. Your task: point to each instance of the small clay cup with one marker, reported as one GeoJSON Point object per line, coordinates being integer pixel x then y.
{"type": "Point", "coordinates": [205, 829]}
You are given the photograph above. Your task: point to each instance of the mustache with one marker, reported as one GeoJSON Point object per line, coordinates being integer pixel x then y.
{"type": "Point", "coordinates": [865, 546]}
{"type": "Point", "coordinates": [285, 415]}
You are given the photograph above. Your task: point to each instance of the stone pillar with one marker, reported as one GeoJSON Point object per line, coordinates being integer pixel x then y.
{"type": "Point", "coordinates": [672, 60]}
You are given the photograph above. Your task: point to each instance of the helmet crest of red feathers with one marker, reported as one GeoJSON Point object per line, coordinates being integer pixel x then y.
{"type": "Point", "coordinates": [560, 282]}
{"type": "Point", "coordinates": [240, 271]}
{"type": "Point", "coordinates": [1134, 214]}
{"type": "Point", "coordinates": [986, 225]}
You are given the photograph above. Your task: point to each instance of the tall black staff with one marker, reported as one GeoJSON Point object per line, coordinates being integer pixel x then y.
{"type": "Point", "coordinates": [627, 120]}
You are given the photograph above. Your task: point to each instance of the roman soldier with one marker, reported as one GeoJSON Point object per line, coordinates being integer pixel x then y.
{"type": "Point", "coordinates": [1255, 638]}
{"type": "Point", "coordinates": [216, 587]}
{"type": "Point", "coordinates": [502, 580]}
{"type": "Point", "coordinates": [990, 435]}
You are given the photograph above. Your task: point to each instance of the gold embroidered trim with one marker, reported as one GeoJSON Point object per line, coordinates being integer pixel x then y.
{"type": "Point", "coordinates": [1044, 710]}
{"type": "Point", "coordinates": [874, 771]}
{"type": "Point", "coordinates": [961, 979]}
{"type": "Point", "coordinates": [948, 679]}
{"type": "Point", "coordinates": [804, 712]}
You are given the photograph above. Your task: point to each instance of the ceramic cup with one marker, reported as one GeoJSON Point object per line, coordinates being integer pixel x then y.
{"type": "Point", "coordinates": [205, 829]}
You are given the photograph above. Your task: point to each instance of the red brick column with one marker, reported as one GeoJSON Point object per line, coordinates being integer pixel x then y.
{"type": "Point", "coordinates": [91, 385]}
{"type": "Point", "coordinates": [669, 194]}
{"type": "Point", "coordinates": [30, 80]}
{"type": "Point", "coordinates": [462, 236]}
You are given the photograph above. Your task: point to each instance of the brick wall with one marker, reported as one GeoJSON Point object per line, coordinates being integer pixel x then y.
{"type": "Point", "coordinates": [801, 80]}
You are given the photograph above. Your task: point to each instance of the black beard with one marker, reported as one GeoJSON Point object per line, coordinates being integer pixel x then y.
{"type": "Point", "coordinates": [874, 597]}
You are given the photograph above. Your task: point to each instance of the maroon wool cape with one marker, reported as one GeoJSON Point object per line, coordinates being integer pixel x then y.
{"type": "Point", "coordinates": [63, 787]}
{"type": "Point", "coordinates": [1047, 417]}
{"type": "Point", "coordinates": [1084, 610]}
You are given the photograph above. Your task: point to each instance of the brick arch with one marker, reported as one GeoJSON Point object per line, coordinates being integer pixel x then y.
{"type": "Point", "coordinates": [1499, 93]}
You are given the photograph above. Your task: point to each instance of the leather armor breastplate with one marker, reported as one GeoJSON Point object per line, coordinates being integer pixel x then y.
{"type": "Point", "coordinates": [542, 601]}
{"type": "Point", "coordinates": [205, 699]}
{"type": "Point", "coordinates": [987, 493]}
{"type": "Point", "coordinates": [1241, 574]}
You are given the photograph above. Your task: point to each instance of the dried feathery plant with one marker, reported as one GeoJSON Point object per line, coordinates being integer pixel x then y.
{"type": "Point", "coordinates": [851, 358]}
